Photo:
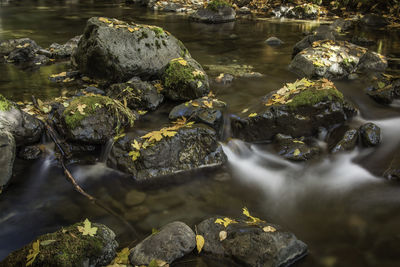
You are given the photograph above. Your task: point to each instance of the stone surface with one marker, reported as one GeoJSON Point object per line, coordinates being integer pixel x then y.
{"type": "Point", "coordinates": [65, 50]}
{"type": "Point", "coordinates": [370, 134]}
{"type": "Point", "coordinates": [123, 51]}
{"type": "Point", "coordinates": [172, 242]}
{"type": "Point", "coordinates": [374, 20]}
{"type": "Point", "coordinates": [30, 152]}
{"type": "Point", "coordinates": [385, 89]}
{"type": "Point", "coordinates": [273, 41]}
{"type": "Point", "coordinates": [220, 15]}
{"type": "Point", "coordinates": [347, 140]}
{"type": "Point", "coordinates": [7, 156]}
{"type": "Point", "coordinates": [295, 149]}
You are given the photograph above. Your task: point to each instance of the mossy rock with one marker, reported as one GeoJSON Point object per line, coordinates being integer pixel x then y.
{"type": "Point", "coordinates": [5, 104]}
{"type": "Point", "coordinates": [69, 247]}
{"type": "Point", "coordinates": [215, 5]}
{"type": "Point", "coordinates": [95, 119]}
{"type": "Point", "coordinates": [184, 80]}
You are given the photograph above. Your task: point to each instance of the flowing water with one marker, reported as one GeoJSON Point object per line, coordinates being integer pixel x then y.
{"type": "Point", "coordinates": [339, 205]}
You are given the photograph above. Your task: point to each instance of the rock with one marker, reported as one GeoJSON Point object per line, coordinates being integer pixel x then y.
{"type": "Point", "coordinates": [134, 197]}
{"type": "Point", "coordinates": [65, 50]}
{"type": "Point", "coordinates": [22, 51]}
{"type": "Point", "coordinates": [251, 244]}
{"type": "Point", "coordinates": [236, 70]}
{"type": "Point", "coordinates": [295, 149]}
{"type": "Point", "coordinates": [374, 20]}
{"type": "Point", "coordinates": [385, 89]}
{"type": "Point", "coordinates": [224, 78]}
{"type": "Point", "coordinates": [123, 51]}
{"type": "Point", "coordinates": [178, 148]}
{"type": "Point", "coordinates": [343, 25]}
{"type": "Point", "coordinates": [7, 46]}
{"type": "Point", "coordinates": [323, 32]}
{"type": "Point", "coordinates": [298, 109]}
{"type": "Point", "coordinates": [244, 11]}
{"type": "Point", "coordinates": [184, 80]}
{"type": "Point", "coordinates": [305, 11]}
{"type": "Point", "coordinates": [139, 95]}
{"type": "Point", "coordinates": [90, 90]}
{"type": "Point", "coordinates": [370, 134]}
{"type": "Point", "coordinates": [241, 3]}
{"type": "Point", "coordinates": [273, 41]}
{"type": "Point", "coordinates": [217, 11]}
{"type": "Point", "coordinates": [172, 242]}
{"type": "Point", "coordinates": [93, 119]}
{"type": "Point", "coordinates": [205, 110]}
{"type": "Point", "coordinates": [172, 7]}
{"type": "Point", "coordinates": [362, 41]}
{"type": "Point", "coordinates": [7, 156]}
{"type": "Point", "coordinates": [347, 140]}
{"type": "Point", "coordinates": [336, 59]}
{"type": "Point", "coordinates": [30, 152]}
{"type": "Point", "coordinates": [393, 171]}
{"type": "Point", "coordinates": [25, 128]}
{"type": "Point", "coordinates": [65, 76]}
{"type": "Point", "coordinates": [68, 247]}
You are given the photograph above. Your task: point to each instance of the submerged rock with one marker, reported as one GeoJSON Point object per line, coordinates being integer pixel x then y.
{"type": "Point", "coordinates": [205, 110]}
{"type": "Point", "coordinates": [117, 51]}
{"type": "Point", "coordinates": [25, 128]}
{"type": "Point", "coordinates": [217, 11]}
{"type": "Point", "coordinates": [298, 109]}
{"type": "Point", "coordinates": [374, 20]}
{"type": "Point", "coordinates": [181, 147]}
{"type": "Point", "coordinates": [68, 247]}
{"type": "Point", "coordinates": [295, 149]}
{"type": "Point", "coordinates": [65, 50]}
{"type": "Point", "coordinates": [139, 95]}
{"type": "Point", "coordinates": [370, 134]}
{"type": "Point", "coordinates": [385, 89]}
{"type": "Point", "coordinates": [336, 59]}
{"type": "Point", "coordinates": [184, 80]}
{"type": "Point", "coordinates": [236, 70]}
{"type": "Point", "coordinates": [172, 242]}
{"type": "Point", "coordinates": [7, 157]}
{"type": "Point", "coordinates": [250, 243]}
{"type": "Point", "coordinates": [273, 41]}
{"type": "Point", "coordinates": [93, 119]}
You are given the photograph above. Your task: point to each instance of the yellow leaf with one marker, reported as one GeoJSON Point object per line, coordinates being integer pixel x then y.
{"type": "Point", "coordinates": [122, 257]}
{"type": "Point", "coordinates": [104, 20]}
{"type": "Point", "coordinates": [136, 145]}
{"type": "Point", "coordinates": [198, 73]}
{"type": "Point", "coordinates": [65, 104]}
{"type": "Point", "coordinates": [118, 136]}
{"type": "Point", "coordinates": [208, 104]}
{"type": "Point", "coordinates": [252, 115]}
{"type": "Point", "coordinates": [253, 219]}
{"type": "Point", "coordinates": [61, 74]}
{"type": "Point", "coordinates": [134, 154]}
{"type": "Point", "coordinates": [245, 110]}
{"type": "Point", "coordinates": [81, 108]}
{"type": "Point", "coordinates": [87, 228]}
{"type": "Point", "coordinates": [33, 252]}
{"type": "Point", "coordinates": [130, 29]}
{"type": "Point", "coordinates": [296, 152]}
{"type": "Point", "coordinates": [225, 222]}
{"type": "Point", "coordinates": [269, 229]}
{"type": "Point", "coordinates": [222, 235]}
{"type": "Point", "coordinates": [195, 104]}
{"type": "Point", "coordinates": [142, 112]}
{"type": "Point", "coordinates": [199, 242]}
{"type": "Point", "coordinates": [182, 61]}
{"type": "Point", "coordinates": [169, 133]}
{"type": "Point", "coordinates": [297, 141]}
{"type": "Point", "coordinates": [154, 135]}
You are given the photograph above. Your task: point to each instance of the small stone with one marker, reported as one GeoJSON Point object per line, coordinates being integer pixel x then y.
{"type": "Point", "coordinates": [370, 134]}
{"type": "Point", "coordinates": [274, 41]}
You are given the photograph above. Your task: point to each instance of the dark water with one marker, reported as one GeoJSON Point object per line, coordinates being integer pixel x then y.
{"type": "Point", "coordinates": [344, 211]}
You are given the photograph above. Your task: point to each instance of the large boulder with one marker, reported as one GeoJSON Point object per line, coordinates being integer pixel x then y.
{"type": "Point", "coordinates": [217, 11]}
{"type": "Point", "coordinates": [93, 119]}
{"type": "Point", "coordinates": [385, 89]}
{"type": "Point", "coordinates": [139, 95]}
{"type": "Point", "coordinates": [336, 59]}
{"type": "Point", "coordinates": [172, 242]}
{"type": "Point", "coordinates": [181, 147]}
{"type": "Point", "coordinates": [25, 128]}
{"type": "Point", "coordinates": [298, 109]}
{"type": "Point", "coordinates": [184, 80]}
{"type": "Point", "coordinates": [117, 51]}
{"type": "Point", "coordinates": [7, 156]}
{"type": "Point", "coordinates": [69, 246]}
{"type": "Point", "coordinates": [65, 50]}
{"type": "Point", "coordinates": [250, 242]}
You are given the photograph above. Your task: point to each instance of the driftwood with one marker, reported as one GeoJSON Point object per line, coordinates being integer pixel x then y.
{"type": "Point", "coordinates": [65, 154]}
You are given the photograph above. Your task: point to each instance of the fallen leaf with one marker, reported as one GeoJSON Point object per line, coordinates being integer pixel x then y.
{"type": "Point", "coordinates": [33, 252]}
{"type": "Point", "coordinates": [296, 152]}
{"type": "Point", "coordinates": [251, 115]}
{"type": "Point", "coordinates": [199, 242]}
{"type": "Point", "coordinates": [122, 257]}
{"type": "Point", "coordinates": [208, 104]}
{"type": "Point", "coordinates": [81, 108]}
{"type": "Point", "coordinates": [134, 154]}
{"type": "Point", "coordinates": [87, 229]}
{"type": "Point", "coordinates": [269, 229]}
{"type": "Point", "coordinates": [136, 145]}
{"type": "Point", "coordinates": [225, 222]}
{"type": "Point", "coordinates": [222, 235]}
{"type": "Point", "coordinates": [253, 219]}
{"type": "Point", "coordinates": [102, 19]}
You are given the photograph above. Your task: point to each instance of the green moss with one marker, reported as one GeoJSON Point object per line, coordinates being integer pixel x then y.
{"type": "Point", "coordinates": [313, 96]}
{"type": "Point", "coordinates": [217, 4]}
{"type": "Point", "coordinates": [5, 104]}
{"type": "Point", "coordinates": [158, 31]}
{"type": "Point", "coordinates": [179, 73]}
{"type": "Point", "coordinates": [90, 105]}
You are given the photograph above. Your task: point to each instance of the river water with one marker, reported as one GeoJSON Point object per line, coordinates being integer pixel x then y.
{"type": "Point", "coordinates": [339, 205]}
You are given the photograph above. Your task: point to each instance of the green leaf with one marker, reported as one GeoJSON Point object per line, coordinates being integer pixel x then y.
{"type": "Point", "coordinates": [381, 85]}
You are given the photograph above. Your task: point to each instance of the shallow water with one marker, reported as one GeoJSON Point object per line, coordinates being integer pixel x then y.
{"type": "Point", "coordinates": [338, 205]}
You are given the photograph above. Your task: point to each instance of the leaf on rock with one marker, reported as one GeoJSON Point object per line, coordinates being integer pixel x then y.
{"type": "Point", "coordinates": [142, 112]}
{"type": "Point", "coordinates": [102, 19]}
{"type": "Point", "coordinates": [134, 154]}
{"type": "Point", "coordinates": [122, 257]}
{"type": "Point", "coordinates": [87, 228]}
{"type": "Point", "coordinates": [269, 229]}
{"type": "Point", "coordinates": [208, 104]}
{"type": "Point", "coordinates": [136, 145]}
{"type": "Point", "coordinates": [296, 152]}
{"type": "Point", "coordinates": [222, 235]}
{"type": "Point", "coordinates": [252, 219]}
{"type": "Point", "coordinates": [225, 222]}
{"type": "Point", "coordinates": [199, 243]}
{"type": "Point", "coordinates": [81, 108]}
{"type": "Point", "coordinates": [33, 252]}
{"type": "Point", "coordinates": [251, 115]}
{"type": "Point", "coordinates": [381, 85]}
{"type": "Point", "coordinates": [61, 74]}
{"type": "Point", "coordinates": [154, 135]}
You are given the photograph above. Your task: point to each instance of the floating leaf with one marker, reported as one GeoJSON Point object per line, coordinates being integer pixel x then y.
{"type": "Point", "coordinates": [199, 243]}
{"type": "Point", "coordinates": [33, 252]}
{"type": "Point", "coordinates": [269, 229]}
{"type": "Point", "coordinates": [251, 115]}
{"type": "Point", "coordinates": [222, 235]}
{"type": "Point", "coordinates": [225, 222]}
{"type": "Point", "coordinates": [296, 152]}
{"type": "Point", "coordinates": [253, 219]}
{"type": "Point", "coordinates": [87, 228]}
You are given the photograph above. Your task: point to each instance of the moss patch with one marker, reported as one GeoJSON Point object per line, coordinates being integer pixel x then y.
{"type": "Point", "coordinates": [179, 73]}
{"type": "Point", "coordinates": [5, 104]}
{"type": "Point", "coordinates": [313, 96]}
{"type": "Point", "coordinates": [217, 4]}
{"type": "Point", "coordinates": [82, 107]}
{"type": "Point", "coordinates": [158, 31]}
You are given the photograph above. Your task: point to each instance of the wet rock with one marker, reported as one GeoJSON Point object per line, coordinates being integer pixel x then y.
{"type": "Point", "coordinates": [236, 70]}
{"type": "Point", "coordinates": [172, 242]}
{"type": "Point", "coordinates": [205, 110]}
{"type": "Point", "coordinates": [224, 78]}
{"type": "Point", "coordinates": [298, 109]}
{"type": "Point", "coordinates": [217, 11]}
{"type": "Point", "coordinates": [65, 50]}
{"type": "Point", "coordinates": [7, 156]}
{"type": "Point", "coordinates": [93, 119]}
{"type": "Point", "coordinates": [167, 151]}
{"type": "Point", "coordinates": [305, 11]}
{"type": "Point", "coordinates": [336, 59]}
{"type": "Point", "coordinates": [244, 10]}
{"type": "Point", "coordinates": [273, 41]}
{"type": "Point", "coordinates": [374, 20]}
{"type": "Point", "coordinates": [343, 25]}
{"type": "Point", "coordinates": [347, 141]}
{"type": "Point", "coordinates": [241, 3]}
{"type": "Point", "coordinates": [251, 244]}
{"type": "Point", "coordinates": [65, 76]}
{"type": "Point", "coordinates": [385, 89]}
{"type": "Point", "coordinates": [370, 134]}
{"type": "Point", "coordinates": [295, 149]}
{"type": "Point", "coordinates": [30, 152]}
{"type": "Point", "coordinates": [184, 80]}
{"type": "Point", "coordinates": [125, 50]}
{"type": "Point", "coordinates": [25, 128]}
{"type": "Point", "coordinates": [90, 90]}
{"type": "Point", "coordinates": [362, 41]}
{"type": "Point", "coordinates": [139, 95]}
{"type": "Point", "coordinates": [7, 46]}
{"type": "Point", "coordinates": [68, 247]}
{"type": "Point", "coordinates": [134, 197]}
{"type": "Point", "coordinates": [323, 32]}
